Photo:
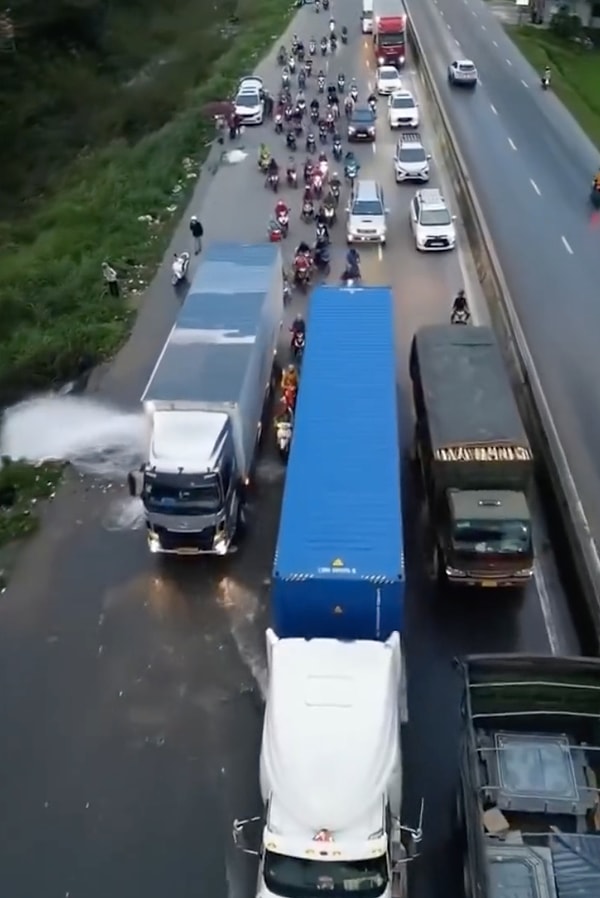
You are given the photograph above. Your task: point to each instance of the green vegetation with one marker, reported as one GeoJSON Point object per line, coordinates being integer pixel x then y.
{"type": "Point", "coordinates": [95, 145]}
{"type": "Point", "coordinates": [575, 71]}
{"type": "Point", "coordinates": [104, 126]}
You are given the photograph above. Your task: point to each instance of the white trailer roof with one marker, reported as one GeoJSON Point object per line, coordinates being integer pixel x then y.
{"type": "Point", "coordinates": [331, 733]}
{"type": "Point", "coordinates": [186, 441]}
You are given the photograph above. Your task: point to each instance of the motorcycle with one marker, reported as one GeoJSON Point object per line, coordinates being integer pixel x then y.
{"type": "Point", "coordinates": [285, 80]}
{"type": "Point", "coordinates": [300, 53]}
{"type": "Point", "coordinates": [348, 106]}
{"type": "Point", "coordinates": [329, 213]}
{"type": "Point", "coordinates": [323, 134]}
{"type": "Point", "coordinates": [333, 43]}
{"type": "Point", "coordinates": [317, 6]}
{"type": "Point", "coordinates": [283, 220]}
{"type": "Point", "coordinates": [292, 178]}
{"type": "Point", "coordinates": [311, 144]}
{"type": "Point", "coordinates": [331, 27]}
{"type": "Point", "coordinates": [289, 397]}
{"type": "Point", "coordinates": [324, 43]}
{"type": "Point", "coordinates": [273, 181]}
{"type": "Point", "coordinates": [351, 171]}
{"type": "Point", "coordinates": [314, 115]}
{"type": "Point", "coordinates": [301, 106]}
{"type": "Point", "coordinates": [274, 231]}
{"type": "Point", "coordinates": [312, 47]}
{"type": "Point", "coordinates": [335, 189]}
{"type": "Point", "coordinates": [323, 260]}
{"type": "Point", "coordinates": [281, 58]}
{"type": "Point", "coordinates": [373, 106]}
{"type": "Point", "coordinates": [317, 184]}
{"type": "Point", "coordinates": [179, 269]}
{"type": "Point", "coordinates": [290, 141]}
{"type": "Point", "coordinates": [344, 35]}
{"type": "Point", "coordinates": [263, 163]}
{"type": "Point", "coordinates": [301, 276]}
{"type": "Point", "coordinates": [330, 121]}
{"type": "Point", "coordinates": [321, 84]}
{"type": "Point", "coordinates": [308, 67]}
{"type": "Point", "coordinates": [287, 291]}
{"type": "Point", "coordinates": [308, 210]}
{"type": "Point", "coordinates": [292, 64]}
{"type": "Point", "coordinates": [322, 237]}
{"type": "Point", "coordinates": [298, 341]}
{"type": "Point", "coordinates": [278, 123]}
{"type": "Point", "coordinates": [545, 82]}
{"type": "Point", "coordinates": [350, 276]}
{"type": "Point", "coordinates": [354, 93]}
{"type": "Point", "coordinates": [325, 5]}
{"type": "Point", "coordinates": [341, 84]}
{"type": "Point", "coordinates": [460, 316]}
{"type": "Point", "coordinates": [283, 436]}
{"type": "Point", "coordinates": [337, 150]}
{"type": "Point", "coordinates": [301, 80]}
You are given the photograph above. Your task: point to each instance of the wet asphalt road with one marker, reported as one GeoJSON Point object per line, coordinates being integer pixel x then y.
{"type": "Point", "coordinates": [129, 687]}
{"type": "Point", "coordinates": [531, 166]}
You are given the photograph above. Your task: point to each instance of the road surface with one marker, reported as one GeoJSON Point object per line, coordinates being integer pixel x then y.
{"type": "Point", "coordinates": [128, 687]}
{"type": "Point", "coordinates": [531, 166]}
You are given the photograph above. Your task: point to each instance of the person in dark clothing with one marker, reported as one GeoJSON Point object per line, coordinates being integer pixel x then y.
{"type": "Point", "coordinates": [197, 232]}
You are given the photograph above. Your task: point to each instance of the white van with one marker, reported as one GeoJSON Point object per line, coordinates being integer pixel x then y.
{"type": "Point", "coordinates": [366, 17]}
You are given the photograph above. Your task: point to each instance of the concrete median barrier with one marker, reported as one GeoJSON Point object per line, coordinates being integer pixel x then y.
{"type": "Point", "coordinates": [528, 387]}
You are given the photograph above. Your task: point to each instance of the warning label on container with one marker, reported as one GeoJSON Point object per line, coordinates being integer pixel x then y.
{"type": "Point", "coordinates": [337, 566]}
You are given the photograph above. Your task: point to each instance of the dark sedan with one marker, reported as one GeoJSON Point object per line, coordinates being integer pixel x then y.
{"type": "Point", "coordinates": [362, 124]}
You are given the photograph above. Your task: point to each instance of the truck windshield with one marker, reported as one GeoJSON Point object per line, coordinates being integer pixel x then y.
{"type": "Point", "coordinates": [512, 537]}
{"type": "Point", "coordinates": [295, 877]}
{"type": "Point", "coordinates": [391, 40]}
{"type": "Point", "coordinates": [182, 500]}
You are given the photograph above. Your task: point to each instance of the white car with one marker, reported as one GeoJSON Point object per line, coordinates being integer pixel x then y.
{"type": "Point", "coordinates": [403, 110]}
{"type": "Point", "coordinates": [462, 72]}
{"type": "Point", "coordinates": [388, 80]}
{"type": "Point", "coordinates": [249, 104]}
{"type": "Point", "coordinates": [411, 160]}
{"type": "Point", "coordinates": [251, 81]}
{"type": "Point", "coordinates": [431, 222]}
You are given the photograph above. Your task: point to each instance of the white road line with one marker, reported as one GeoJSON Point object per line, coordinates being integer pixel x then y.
{"type": "Point", "coordinates": [449, 27]}
{"type": "Point", "coordinates": [374, 145]}
{"type": "Point", "coordinates": [567, 245]}
{"type": "Point", "coordinates": [509, 62]}
{"type": "Point", "coordinates": [442, 13]}
{"type": "Point", "coordinates": [512, 144]}
{"type": "Point", "coordinates": [495, 43]}
{"type": "Point", "coordinates": [483, 28]}
{"type": "Point", "coordinates": [535, 187]}
{"type": "Point", "coordinates": [524, 83]}
{"type": "Point", "coordinates": [473, 13]}
{"type": "Point", "coordinates": [493, 108]}
{"type": "Point", "coordinates": [380, 252]}
{"type": "Point", "coordinates": [457, 42]}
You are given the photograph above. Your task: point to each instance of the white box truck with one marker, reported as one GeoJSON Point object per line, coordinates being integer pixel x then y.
{"type": "Point", "coordinates": [331, 771]}
{"type": "Point", "coordinates": [206, 398]}
{"type": "Point", "coordinates": [366, 17]}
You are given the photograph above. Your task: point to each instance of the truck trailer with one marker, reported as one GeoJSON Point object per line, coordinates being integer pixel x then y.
{"type": "Point", "coordinates": [389, 32]}
{"type": "Point", "coordinates": [339, 563]}
{"type": "Point", "coordinates": [528, 808]}
{"type": "Point", "coordinates": [331, 771]}
{"type": "Point", "coordinates": [205, 401]}
{"type": "Point", "coordinates": [474, 455]}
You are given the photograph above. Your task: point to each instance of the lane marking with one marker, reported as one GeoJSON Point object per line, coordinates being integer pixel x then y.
{"type": "Point", "coordinates": [535, 187]}
{"type": "Point", "coordinates": [495, 43]}
{"type": "Point", "coordinates": [493, 108]}
{"type": "Point", "coordinates": [509, 62]}
{"type": "Point", "coordinates": [473, 13]}
{"type": "Point", "coordinates": [512, 144]}
{"type": "Point", "coordinates": [449, 27]}
{"type": "Point", "coordinates": [457, 43]}
{"type": "Point", "coordinates": [374, 145]}
{"type": "Point", "coordinates": [524, 83]}
{"type": "Point", "coordinates": [442, 13]}
{"type": "Point", "coordinates": [483, 28]}
{"type": "Point", "coordinates": [380, 252]}
{"type": "Point", "coordinates": [567, 245]}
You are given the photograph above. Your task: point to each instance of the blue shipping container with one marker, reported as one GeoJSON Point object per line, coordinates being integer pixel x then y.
{"type": "Point", "coordinates": [339, 564]}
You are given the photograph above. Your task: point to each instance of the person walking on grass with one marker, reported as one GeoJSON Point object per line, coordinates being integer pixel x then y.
{"type": "Point", "coordinates": [110, 279]}
{"type": "Point", "coordinates": [197, 232]}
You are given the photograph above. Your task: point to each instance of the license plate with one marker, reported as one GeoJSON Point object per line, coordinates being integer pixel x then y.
{"type": "Point", "coordinates": [187, 551]}
{"type": "Point", "coordinates": [489, 583]}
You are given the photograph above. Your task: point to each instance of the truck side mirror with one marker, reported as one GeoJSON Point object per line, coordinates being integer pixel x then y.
{"type": "Point", "coordinates": [135, 483]}
{"type": "Point", "coordinates": [247, 835]}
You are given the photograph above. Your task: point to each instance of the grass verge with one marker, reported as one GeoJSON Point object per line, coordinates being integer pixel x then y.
{"type": "Point", "coordinates": [56, 317]}
{"type": "Point", "coordinates": [575, 72]}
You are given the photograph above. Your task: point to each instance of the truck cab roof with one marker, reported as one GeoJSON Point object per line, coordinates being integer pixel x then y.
{"type": "Point", "coordinates": [488, 505]}
{"type": "Point", "coordinates": [331, 736]}
{"type": "Point", "coordinates": [187, 441]}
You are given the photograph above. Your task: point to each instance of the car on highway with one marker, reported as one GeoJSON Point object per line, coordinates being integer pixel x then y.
{"type": "Point", "coordinates": [361, 124]}
{"type": "Point", "coordinates": [403, 110]}
{"type": "Point", "coordinates": [431, 222]}
{"type": "Point", "coordinates": [462, 72]}
{"type": "Point", "coordinates": [388, 80]}
{"type": "Point", "coordinates": [411, 161]}
{"type": "Point", "coordinates": [249, 103]}
{"type": "Point", "coordinates": [249, 81]}
{"type": "Point", "coordinates": [367, 214]}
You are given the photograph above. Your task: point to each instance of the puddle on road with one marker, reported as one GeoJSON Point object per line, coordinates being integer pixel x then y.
{"type": "Point", "coordinates": [96, 438]}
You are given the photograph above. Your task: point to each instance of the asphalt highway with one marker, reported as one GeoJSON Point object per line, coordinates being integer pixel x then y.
{"type": "Point", "coordinates": [130, 689]}
{"type": "Point", "coordinates": [531, 166]}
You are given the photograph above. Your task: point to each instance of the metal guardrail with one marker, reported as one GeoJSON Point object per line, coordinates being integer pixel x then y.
{"type": "Point", "coordinates": [530, 394]}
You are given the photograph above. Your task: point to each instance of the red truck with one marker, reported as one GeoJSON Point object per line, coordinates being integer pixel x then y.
{"type": "Point", "coordinates": [389, 33]}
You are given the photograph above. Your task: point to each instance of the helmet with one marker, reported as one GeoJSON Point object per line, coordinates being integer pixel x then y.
{"type": "Point", "coordinates": [461, 293]}
{"type": "Point", "coordinates": [299, 319]}
{"type": "Point", "coordinates": [194, 218]}
{"type": "Point", "coordinates": [291, 369]}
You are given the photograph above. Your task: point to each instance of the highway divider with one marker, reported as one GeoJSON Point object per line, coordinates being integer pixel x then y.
{"type": "Point", "coordinates": [529, 390]}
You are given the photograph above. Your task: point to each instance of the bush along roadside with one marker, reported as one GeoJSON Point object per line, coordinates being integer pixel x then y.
{"type": "Point", "coordinates": [119, 204]}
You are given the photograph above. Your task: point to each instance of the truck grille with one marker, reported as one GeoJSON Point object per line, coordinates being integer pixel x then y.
{"type": "Point", "coordinates": [171, 541]}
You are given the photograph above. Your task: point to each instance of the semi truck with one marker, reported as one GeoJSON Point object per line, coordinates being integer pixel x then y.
{"type": "Point", "coordinates": [339, 562]}
{"type": "Point", "coordinates": [331, 772]}
{"type": "Point", "coordinates": [389, 32]}
{"type": "Point", "coordinates": [475, 459]}
{"type": "Point", "coordinates": [205, 401]}
{"type": "Point", "coordinates": [528, 805]}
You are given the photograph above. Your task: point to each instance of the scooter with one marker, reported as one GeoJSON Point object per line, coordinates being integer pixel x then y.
{"type": "Point", "coordinates": [545, 82]}
{"type": "Point", "coordinates": [283, 436]}
{"type": "Point", "coordinates": [292, 178]}
{"type": "Point", "coordinates": [461, 316]}
{"type": "Point", "coordinates": [283, 220]}
{"type": "Point", "coordinates": [179, 268]}
{"type": "Point", "coordinates": [298, 346]}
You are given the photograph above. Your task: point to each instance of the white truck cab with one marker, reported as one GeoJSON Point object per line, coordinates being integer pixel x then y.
{"type": "Point", "coordinates": [366, 17]}
{"type": "Point", "coordinates": [331, 771]}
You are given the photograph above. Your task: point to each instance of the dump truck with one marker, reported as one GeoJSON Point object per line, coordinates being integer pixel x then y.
{"type": "Point", "coordinates": [331, 772]}
{"type": "Point", "coordinates": [205, 401]}
{"type": "Point", "coordinates": [475, 459]}
{"type": "Point", "coordinates": [338, 570]}
{"type": "Point", "coordinates": [528, 805]}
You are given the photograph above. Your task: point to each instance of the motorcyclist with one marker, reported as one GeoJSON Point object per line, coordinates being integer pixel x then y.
{"type": "Point", "coordinates": [273, 167]}
{"type": "Point", "coordinates": [302, 78]}
{"type": "Point", "coordinates": [350, 163]}
{"type": "Point", "coordinates": [460, 306]}
{"type": "Point", "coordinates": [348, 105]}
{"type": "Point", "coordinates": [312, 46]}
{"type": "Point", "coordinates": [295, 43]}
{"type": "Point", "coordinates": [324, 44]}
{"type": "Point", "coordinates": [300, 100]}
{"type": "Point", "coordinates": [289, 378]}
{"type": "Point", "coordinates": [303, 250]}
{"type": "Point", "coordinates": [546, 75]}
{"type": "Point", "coordinates": [298, 327]}
{"type": "Point", "coordinates": [322, 232]}
{"type": "Point", "coordinates": [331, 25]}
{"type": "Point", "coordinates": [281, 210]}
{"type": "Point", "coordinates": [344, 34]}
{"type": "Point", "coordinates": [290, 139]}
{"type": "Point", "coordinates": [282, 55]}
{"type": "Point", "coordinates": [353, 262]}
{"type": "Point", "coordinates": [372, 100]}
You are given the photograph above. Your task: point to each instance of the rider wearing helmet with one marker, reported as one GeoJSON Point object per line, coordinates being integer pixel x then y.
{"type": "Point", "coordinates": [298, 327]}
{"type": "Point", "coordinates": [289, 378]}
{"type": "Point", "coordinates": [546, 75]}
{"type": "Point", "coordinates": [264, 155]}
{"type": "Point", "coordinates": [353, 261]}
{"type": "Point", "coordinates": [460, 305]}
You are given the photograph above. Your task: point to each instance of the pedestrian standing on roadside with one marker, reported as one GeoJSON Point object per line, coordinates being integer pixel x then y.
{"type": "Point", "coordinates": [197, 232]}
{"type": "Point", "coordinates": [110, 278]}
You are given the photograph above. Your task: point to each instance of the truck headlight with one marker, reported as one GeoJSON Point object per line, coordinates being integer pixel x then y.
{"type": "Point", "coordinates": [380, 60]}
{"type": "Point", "coordinates": [402, 59]}
{"type": "Point", "coordinates": [153, 541]}
{"type": "Point", "coordinates": [220, 543]}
